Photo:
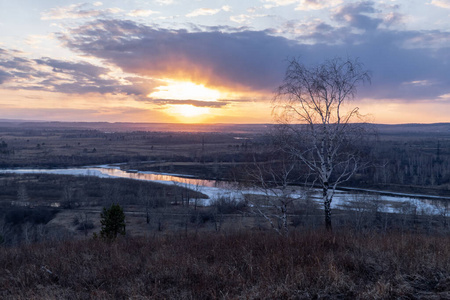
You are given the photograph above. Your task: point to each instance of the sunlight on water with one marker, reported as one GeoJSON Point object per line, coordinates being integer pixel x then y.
{"type": "Point", "coordinates": [214, 189]}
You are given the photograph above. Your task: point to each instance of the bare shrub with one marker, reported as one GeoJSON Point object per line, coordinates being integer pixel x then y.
{"type": "Point", "coordinates": [202, 217]}
{"type": "Point", "coordinates": [228, 204]}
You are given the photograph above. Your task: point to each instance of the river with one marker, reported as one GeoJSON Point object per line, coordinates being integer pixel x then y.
{"type": "Point", "coordinates": [389, 202]}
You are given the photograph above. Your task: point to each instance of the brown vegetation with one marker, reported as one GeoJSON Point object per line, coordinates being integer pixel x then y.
{"type": "Point", "coordinates": [38, 207]}
{"type": "Point", "coordinates": [39, 147]}
{"type": "Point", "coordinates": [247, 265]}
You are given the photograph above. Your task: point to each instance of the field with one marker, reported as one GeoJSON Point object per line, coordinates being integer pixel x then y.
{"type": "Point", "coordinates": [62, 148]}
{"type": "Point", "coordinates": [410, 163]}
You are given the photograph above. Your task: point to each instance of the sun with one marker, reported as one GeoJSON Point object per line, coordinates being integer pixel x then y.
{"type": "Point", "coordinates": [185, 93]}
{"type": "Point", "coordinates": [184, 90]}
{"type": "Point", "coordinates": [188, 111]}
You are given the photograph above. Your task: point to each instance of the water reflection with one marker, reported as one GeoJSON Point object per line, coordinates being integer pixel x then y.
{"type": "Point", "coordinates": [214, 189]}
{"type": "Point", "coordinates": [149, 176]}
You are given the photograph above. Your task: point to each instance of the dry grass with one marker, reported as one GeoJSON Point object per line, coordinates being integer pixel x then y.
{"type": "Point", "coordinates": [248, 265]}
{"type": "Point", "coordinates": [63, 147]}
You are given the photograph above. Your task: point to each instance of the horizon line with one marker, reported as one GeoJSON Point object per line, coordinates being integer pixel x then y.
{"type": "Point", "coordinates": [194, 124]}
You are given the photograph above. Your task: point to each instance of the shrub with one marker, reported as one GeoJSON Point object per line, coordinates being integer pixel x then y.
{"type": "Point", "coordinates": [202, 217]}
{"type": "Point", "coordinates": [85, 225]}
{"type": "Point", "coordinates": [228, 205]}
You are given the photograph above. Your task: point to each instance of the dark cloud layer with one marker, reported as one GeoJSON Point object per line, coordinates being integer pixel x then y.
{"type": "Point", "coordinates": [64, 76]}
{"type": "Point", "coordinates": [197, 103]}
{"type": "Point", "coordinates": [4, 76]}
{"type": "Point", "coordinates": [79, 69]}
{"type": "Point", "coordinates": [404, 64]}
{"type": "Point", "coordinates": [249, 58]}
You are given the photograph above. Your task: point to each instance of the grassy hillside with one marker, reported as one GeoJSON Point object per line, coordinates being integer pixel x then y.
{"type": "Point", "coordinates": [247, 265]}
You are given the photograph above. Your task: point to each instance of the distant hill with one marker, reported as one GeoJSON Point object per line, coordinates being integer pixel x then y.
{"type": "Point", "coordinates": [123, 126]}
{"type": "Point", "coordinates": [403, 129]}
{"type": "Point", "coordinates": [414, 129]}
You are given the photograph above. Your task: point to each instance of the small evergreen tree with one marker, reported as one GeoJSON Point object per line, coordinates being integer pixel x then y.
{"type": "Point", "coordinates": [113, 222]}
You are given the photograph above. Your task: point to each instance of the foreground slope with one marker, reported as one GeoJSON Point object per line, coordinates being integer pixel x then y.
{"type": "Point", "coordinates": [250, 265]}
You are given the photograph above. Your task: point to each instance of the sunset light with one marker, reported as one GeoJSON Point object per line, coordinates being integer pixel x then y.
{"type": "Point", "coordinates": [125, 61]}
{"type": "Point", "coordinates": [188, 113]}
{"type": "Point", "coordinates": [183, 90]}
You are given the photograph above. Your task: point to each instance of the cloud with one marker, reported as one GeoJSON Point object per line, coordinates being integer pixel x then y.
{"type": "Point", "coordinates": [445, 96]}
{"type": "Point", "coordinates": [419, 83]}
{"type": "Point", "coordinates": [406, 64]}
{"type": "Point", "coordinates": [206, 11]}
{"type": "Point", "coordinates": [441, 3]}
{"type": "Point", "coordinates": [255, 60]}
{"type": "Point", "coordinates": [77, 11]}
{"type": "Point", "coordinates": [77, 68]}
{"type": "Point", "coordinates": [4, 76]}
{"type": "Point", "coordinates": [165, 2]}
{"type": "Point", "coordinates": [12, 67]}
{"type": "Point", "coordinates": [241, 19]}
{"type": "Point", "coordinates": [226, 8]}
{"type": "Point", "coordinates": [246, 19]}
{"type": "Point", "coordinates": [47, 74]}
{"type": "Point", "coordinates": [317, 4]}
{"type": "Point", "coordinates": [357, 15]}
{"type": "Point", "coordinates": [317, 31]}
{"type": "Point", "coordinates": [142, 13]}
{"type": "Point", "coordinates": [275, 3]}
{"type": "Point", "coordinates": [392, 18]}
{"type": "Point", "coordinates": [303, 4]}
{"type": "Point", "coordinates": [196, 103]}
{"type": "Point", "coordinates": [366, 16]}
{"type": "Point", "coordinates": [249, 59]}
{"type": "Point", "coordinates": [395, 57]}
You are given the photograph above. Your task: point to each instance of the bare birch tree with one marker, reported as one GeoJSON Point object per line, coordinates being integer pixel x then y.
{"type": "Point", "coordinates": [317, 127]}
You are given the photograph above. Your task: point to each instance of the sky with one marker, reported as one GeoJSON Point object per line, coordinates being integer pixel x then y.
{"type": "Point", "coordinates": [215, 61]}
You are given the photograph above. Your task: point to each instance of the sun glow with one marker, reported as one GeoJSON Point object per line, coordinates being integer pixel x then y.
{"type": "Point", "coordinates": [183, 90]}
{"type": "Point", "coordinates": [189, 113]}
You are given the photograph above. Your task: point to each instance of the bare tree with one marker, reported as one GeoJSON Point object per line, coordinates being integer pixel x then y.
{"type": "Point", "coordinates": [68, 194]}
{"type": "Point", "coordinates": [316, 124]}
{"type": "Point", "coordinates": [198, 189]}
{"type": "Point", "coordinates": [275, 198]}
{"type": "Point", "coordinates": [22, 195]}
